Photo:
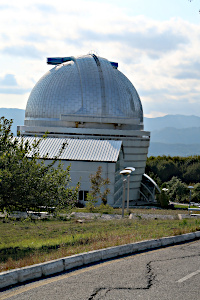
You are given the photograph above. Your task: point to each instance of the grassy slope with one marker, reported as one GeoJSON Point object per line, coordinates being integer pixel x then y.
{"type": "Point", "coordinates": [26, 243]}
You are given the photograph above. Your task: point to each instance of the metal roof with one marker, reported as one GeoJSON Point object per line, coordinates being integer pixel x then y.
{"type": "Point", "coordinates": [78, 149]}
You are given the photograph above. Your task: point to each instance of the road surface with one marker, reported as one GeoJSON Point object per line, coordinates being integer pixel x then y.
{"type": "Point", "coordinates": [169, 273]}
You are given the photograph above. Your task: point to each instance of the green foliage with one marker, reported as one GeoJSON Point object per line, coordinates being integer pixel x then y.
{"type": "Point", "coordinates": [163, 199]}
{"type": "Point", "coordinates": [28, 182]}
{"type": "Point", "coordinates": [192, 173]}
{"type": "Point", "coordinates": [178, 190]}
{"type": "Point", "coordinates": [105, 209]}
{"type": "Point", "coordinates": [90, 205]}
{"type": "Point", "coordinates": [165, 167]}
{"type": "Point", "coordinates": [98, 187]}
{"type": "Point", "coordinates": [195, 195]}
{"type": "Point", "coordinates": [176, 173]}
{"type": "Point", "coordinates": [184, 222]}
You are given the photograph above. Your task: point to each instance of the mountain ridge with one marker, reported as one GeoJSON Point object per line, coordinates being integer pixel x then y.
{"type": "Point", "coordinates": [176, 121]}
{"type": "Point", "coordinates": [174, 135]}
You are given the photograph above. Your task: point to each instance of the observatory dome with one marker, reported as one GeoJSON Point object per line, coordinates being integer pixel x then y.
{"type": "Point", "coordinates": [83, 87]}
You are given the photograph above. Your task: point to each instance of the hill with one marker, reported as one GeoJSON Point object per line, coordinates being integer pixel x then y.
{"type": "Point", "coordinates": [16, 114]}
{"type": "Point", "coordinates": [175, 135]}
{"type": "Point", "coordinates": [160, 149]}
{"type": "Point", "coordinates": [175, 121]}
{"type": "Point", "coordinates": [172, 135]}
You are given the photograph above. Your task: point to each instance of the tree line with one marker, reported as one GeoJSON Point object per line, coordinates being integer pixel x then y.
{"type": "Point", "coordinates": [176, 174]}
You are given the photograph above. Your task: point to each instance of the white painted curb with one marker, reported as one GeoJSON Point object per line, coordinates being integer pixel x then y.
{"type": "Point", "coordinates": [59, 265]}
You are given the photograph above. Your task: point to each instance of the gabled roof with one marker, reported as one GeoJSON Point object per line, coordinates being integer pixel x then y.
{"type": "Point", "coordinates": [79, 149]}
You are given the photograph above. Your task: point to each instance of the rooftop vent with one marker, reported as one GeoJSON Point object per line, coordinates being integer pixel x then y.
{"type": "Point", "coordinates": [114, 64]}
{"type": "Point", "coordinates": [57, 60]}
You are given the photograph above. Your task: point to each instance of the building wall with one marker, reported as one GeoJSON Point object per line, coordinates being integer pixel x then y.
{"type": "Point", "coordinates": [135, 148]}
{"type": "Point", "coordinates": [81, 171]}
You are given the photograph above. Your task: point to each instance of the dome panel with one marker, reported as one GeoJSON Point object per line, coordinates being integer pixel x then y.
{"type": "Point", "coordinates": [85, 86]}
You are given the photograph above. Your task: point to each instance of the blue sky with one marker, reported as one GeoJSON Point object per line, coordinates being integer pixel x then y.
{"type": "Point", "coordinates": [155, 42]}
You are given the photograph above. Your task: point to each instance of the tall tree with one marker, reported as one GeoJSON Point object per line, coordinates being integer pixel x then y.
{"type": "Point", "coordinates": [177, 190]}
{"type": "Point", "coordinates": [98, 187]}
{"type": "Point", "coordinates": [29, 182]}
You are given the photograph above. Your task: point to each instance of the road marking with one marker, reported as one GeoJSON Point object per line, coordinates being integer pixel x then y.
{"type": "Point", "coordinates": [43, 282]}
{"type": "Point", "coordinates": [58, 278]}
{"type": "Point", "coordinates": [188, 276]}
{"type": "Point", "coordinates": [39, 284]}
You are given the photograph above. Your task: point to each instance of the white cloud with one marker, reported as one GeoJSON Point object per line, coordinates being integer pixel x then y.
{"type": "Point", "coordinates": [154, 114]}
{"type": "Point", "coordinates": [28, 51]}
{"type": "Point", "coordinates": [13, 91]}
{"type": "Point", "coordinates": [8, 80]}
{"type": "Point", "coordinates": [159, 57]}
{"type": "Point", "coordinates": [9, 101]}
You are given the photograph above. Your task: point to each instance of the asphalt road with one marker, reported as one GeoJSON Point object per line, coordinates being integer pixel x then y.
{"type": "Point", "coordinates": [169, 273]}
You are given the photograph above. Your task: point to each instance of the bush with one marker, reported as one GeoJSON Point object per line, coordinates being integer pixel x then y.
{"type": "Point", "coordinates": [163, 199]}
{"type": "Point", "coordinates": [105, 209]}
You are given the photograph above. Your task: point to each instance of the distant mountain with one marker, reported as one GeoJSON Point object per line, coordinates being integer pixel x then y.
{"type": "Point", "coordinates": [176, 121]}
{"type": "Point", "coordinates": [175, 135]}
{"type": "Point", "coordinates": [172, 135]}
{"type": "Point", "coordinates": [160, 149]}
{"type": "Point", "coordinates": [16, 114]}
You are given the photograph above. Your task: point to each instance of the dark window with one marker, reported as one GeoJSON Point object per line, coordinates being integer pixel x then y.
{"type": "Point", "coordinates": [80, 196]}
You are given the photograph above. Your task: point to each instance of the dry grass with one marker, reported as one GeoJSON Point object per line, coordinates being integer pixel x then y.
{"type": "Point", "coordinates": [138, 211]}
{"type": "Point", "coordinates": [26, 243]}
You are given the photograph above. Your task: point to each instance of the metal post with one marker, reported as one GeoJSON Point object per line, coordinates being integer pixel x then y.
{"type": "Point", "coordinates": [190, 187]}
{"type": "Point", "coordinates": [126, 172]}
{"type": "Point", "coordinates": [124, 192]}
{"type": "Point", "coordinates": [128, 194]}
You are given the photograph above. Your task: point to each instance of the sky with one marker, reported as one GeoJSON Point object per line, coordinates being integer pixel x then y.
{"type": "Point", "coordinates": [155, 42]}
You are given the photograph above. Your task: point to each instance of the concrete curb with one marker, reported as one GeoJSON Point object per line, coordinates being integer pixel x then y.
{"type": "Point", "coordinates": [59, 265]}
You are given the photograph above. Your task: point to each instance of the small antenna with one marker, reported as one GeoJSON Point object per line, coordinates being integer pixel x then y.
{"type": "Point", "coordinates": [93, 52]}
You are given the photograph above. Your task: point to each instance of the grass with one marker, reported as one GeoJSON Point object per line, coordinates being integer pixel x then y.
{"type": "Point", "coordinates": [181, 206]}
{"type": "Point", "coordinates": [185, 207]}
{"type": "Point", "coordinates": [26, 243]}
{"type": "Point", "coordinates": [136, 210]}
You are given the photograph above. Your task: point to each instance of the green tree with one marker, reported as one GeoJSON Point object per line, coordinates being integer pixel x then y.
{"type": "Point", "coordinates": [98, 187]}
{"type": "Point", "coordinates": [163, 199]}
{"type": "Point", "coordinates": [163, 167]}
{"type": "Point", "coordinates": [28, 182]}
{"type": "Point", "coordinates": [166, 170]}
{"type": "Point", "coordinates": [177, 190]}
{"type": "Point", "coordinates": [196, 193]}
{"type": "Point", "coordinates": [192, 173]}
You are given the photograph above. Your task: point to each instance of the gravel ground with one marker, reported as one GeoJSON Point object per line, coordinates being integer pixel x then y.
{"type": "Point", "coordinates": [136, 216]}
{"type": "Point", "coordinates": [90, 216]}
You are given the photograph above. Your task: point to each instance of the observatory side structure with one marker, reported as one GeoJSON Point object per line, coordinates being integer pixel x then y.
{"type": "Point", "coordinates": [87, 97]}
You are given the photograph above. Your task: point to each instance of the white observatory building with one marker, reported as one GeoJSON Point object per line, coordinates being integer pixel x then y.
{"type": "Point", "coordinates": [89, 102]}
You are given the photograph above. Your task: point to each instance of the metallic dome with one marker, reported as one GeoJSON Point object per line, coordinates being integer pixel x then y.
{"type": "Point", "coordinates": [86, 86]}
